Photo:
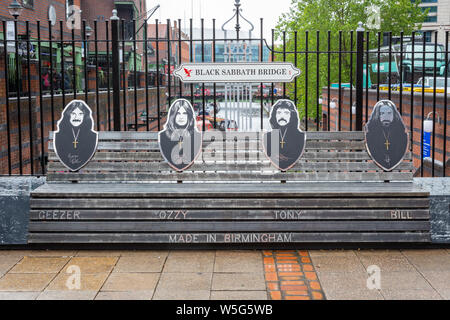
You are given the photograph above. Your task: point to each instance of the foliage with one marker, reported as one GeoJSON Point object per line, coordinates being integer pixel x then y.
{"type": "Point", "coordinates": [331, 20]}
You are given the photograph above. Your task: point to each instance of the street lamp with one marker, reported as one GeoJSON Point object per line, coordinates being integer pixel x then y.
{"type": "Point", "coordinates": [15, 9]}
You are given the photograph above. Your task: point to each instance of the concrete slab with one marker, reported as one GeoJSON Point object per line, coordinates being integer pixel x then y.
{"type": "Point", "coordinates": [99, 253]}
{"type": "Point", "coordinates": [238, 281]}
{"type": "Point", "coordinates": [409, 294]}
{"type": "Point", "coordinates": [140, 263]}
{"type": "Point", "coordinates": [67, 295]}
{"type": "Point", "coordinates": [11, 253]}
{"type": "Point", "coordinates": [239, 295]}
{"type": "Point", "coordinates": [121, 253]}
{"type": "Point", "coordinates": [332, 253]}
{"type": "Point", "coordinates": [378, 253]}
{"type": "Point", "coordinates": [429, 260]}
{"type": "Point", "coordinates": [125, 295]}
{"type": "Point", "coordinates": [343, 281]}
{"type": "Point", "coordinates": [403, 280]}
{"type": "Point", "coordinates": [183, 286]}
{"type": "Point", "coordinates": [338, 264]}
{"type": "Point", "coordinates": [445, 293]}
{"type": "Point", "coordinates": [424, 252]}
{"type": "Point", "coordinates": [18, 295]}
{"type": "Point", "coordinates": [39, 265]}
{"type": "Point", "coordinates": [88, 282]}
{"type": "Point", "coordinates": [7, 262]}
{"type": "Point", "coordinates": [438, 279]}
{"type": "Point", "coordinates": [131, 282]}
{"type": "Point", "coordinates": [185, 281]}
{"type": "Point", "coordinates": [164, 294]}
{"type": "Point", "coordinates": [161, 254]}
{"type": "Point", "coordinates": [388, 262]}
{"type": "Point", "coordinates": [353, 295]}
{"type": "Point", "coordinates": [197, 261]}
{"type": "Point", "coordinates": [239, 261]}
{"type": "Point", "coordinates": [25, 281]}
{"type": "Point", "coordinates": [93, 264]}
{"type": "Point", "coordinates": [52, 253]}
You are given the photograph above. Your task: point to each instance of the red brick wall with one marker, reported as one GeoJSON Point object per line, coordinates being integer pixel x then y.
{"type": "Point", "coordinates": [40, 13]}
{"type": "Point", "coordinates": [101, 10]}
{"type": "Point", "coordinates": [35, 109]}
{"type": "Point", "coordinates": [406, 114]}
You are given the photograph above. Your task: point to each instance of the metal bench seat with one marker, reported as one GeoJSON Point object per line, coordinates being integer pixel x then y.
{"type": "Point", "coordinates": [128, 194]}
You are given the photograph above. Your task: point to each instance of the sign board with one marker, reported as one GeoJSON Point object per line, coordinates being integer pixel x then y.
{"type": "Point", "coordinates": [426, 144]}
{"type": "Point", "coordinates": [180, 142]}
{"type": "Point", "coordinates": [75, 140]}
{"type": "Point", "coordinates": [237, 72]}
{"type": "Point", "coordinates": [285, 143]}
{"type": "Point", "coordinates": [386, 136]}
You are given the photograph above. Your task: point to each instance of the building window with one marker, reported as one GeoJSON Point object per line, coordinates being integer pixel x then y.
{"type": "Point", "coordinates": [431, 19]}
{"type": "Point", "coordinates": [433, 9]}
{"type": "Point", "coordinates": [28, 4]}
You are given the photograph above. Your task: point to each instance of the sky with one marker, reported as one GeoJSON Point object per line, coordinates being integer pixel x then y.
{"type": "Point", "coordinates": [221, 10]}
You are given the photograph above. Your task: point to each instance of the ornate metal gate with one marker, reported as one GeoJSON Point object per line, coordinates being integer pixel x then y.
{"type": "Point", "coordinates": [238, 103]}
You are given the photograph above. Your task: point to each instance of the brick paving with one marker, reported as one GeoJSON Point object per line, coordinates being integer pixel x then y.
{"type": "Point", "coordinates": [223, 274]}
{"type": "Point", "coordinates": [290, 275]}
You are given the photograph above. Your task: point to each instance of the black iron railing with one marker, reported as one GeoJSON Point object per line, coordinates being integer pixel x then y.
{"type": "Point", "coordinates": [128, 82]}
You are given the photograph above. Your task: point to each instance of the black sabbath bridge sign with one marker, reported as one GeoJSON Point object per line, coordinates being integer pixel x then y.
{"type": "Point", "coordinates": [237, 72]}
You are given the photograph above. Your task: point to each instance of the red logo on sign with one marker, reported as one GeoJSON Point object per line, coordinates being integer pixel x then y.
{"type": "Point", "coordinates": [188, 72]}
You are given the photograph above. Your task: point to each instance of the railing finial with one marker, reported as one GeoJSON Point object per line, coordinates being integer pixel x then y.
{"type": "Point", "coordinates": [360, 26]}
{"type": "Point", "coordinates": [114, 16]}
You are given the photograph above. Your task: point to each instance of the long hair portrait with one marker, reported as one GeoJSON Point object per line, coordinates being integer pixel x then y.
{"type": "Point", "coordinates": [374, 119]}
{"type": "Point", "coordinates": [64, 122]}
{"type": "Point", "coordinates": [284, 145]}
{"type": "Point", "coordinates": [284, 104]}
{"type": "Point", "coordinates": [75, 146]}
{"type": "Point", "coordinates": [179, 144]}
{"type": "Point", "coordinates": [387, 145]}
{"type": "Point", "coordinates": [171, 126]}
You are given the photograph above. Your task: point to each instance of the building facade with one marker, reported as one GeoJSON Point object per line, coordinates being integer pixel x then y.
{"type": "Point", "coordinates": [438, 19]}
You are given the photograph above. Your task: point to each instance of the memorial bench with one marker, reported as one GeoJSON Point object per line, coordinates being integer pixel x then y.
{"type": "Point", "coordinates": [128, 194]}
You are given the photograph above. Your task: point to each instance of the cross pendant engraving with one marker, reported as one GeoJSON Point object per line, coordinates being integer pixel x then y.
{"type": "Point", "coordinates": [282, 143]}
{"type": "Point", "coordinates": [387, 144]}
{"type": "Point", "coordinates": [75, 143]}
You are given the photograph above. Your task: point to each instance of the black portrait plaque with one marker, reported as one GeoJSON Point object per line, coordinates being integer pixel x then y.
{"type": "Point", "coordinates": [75, 140]}
{"type": "Point", "coordinates": [285, 143]}
{"type": "Point", "coordinates": [180, 142]}
{"type": "Point", "coordinates": [386, 135]}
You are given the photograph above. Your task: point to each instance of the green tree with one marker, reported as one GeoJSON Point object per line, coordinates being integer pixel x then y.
{"type": "Point", "coordinates": [334, 19]}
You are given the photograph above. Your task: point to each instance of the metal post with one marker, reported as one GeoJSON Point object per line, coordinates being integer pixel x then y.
{"type": "Point", "coordinates": [359, 75]}
{"type": "Point", "coordinates": [115, 69]}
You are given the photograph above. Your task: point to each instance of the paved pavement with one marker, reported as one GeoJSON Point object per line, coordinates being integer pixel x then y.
{"type": "Point", "coordinates": [241, 275]}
